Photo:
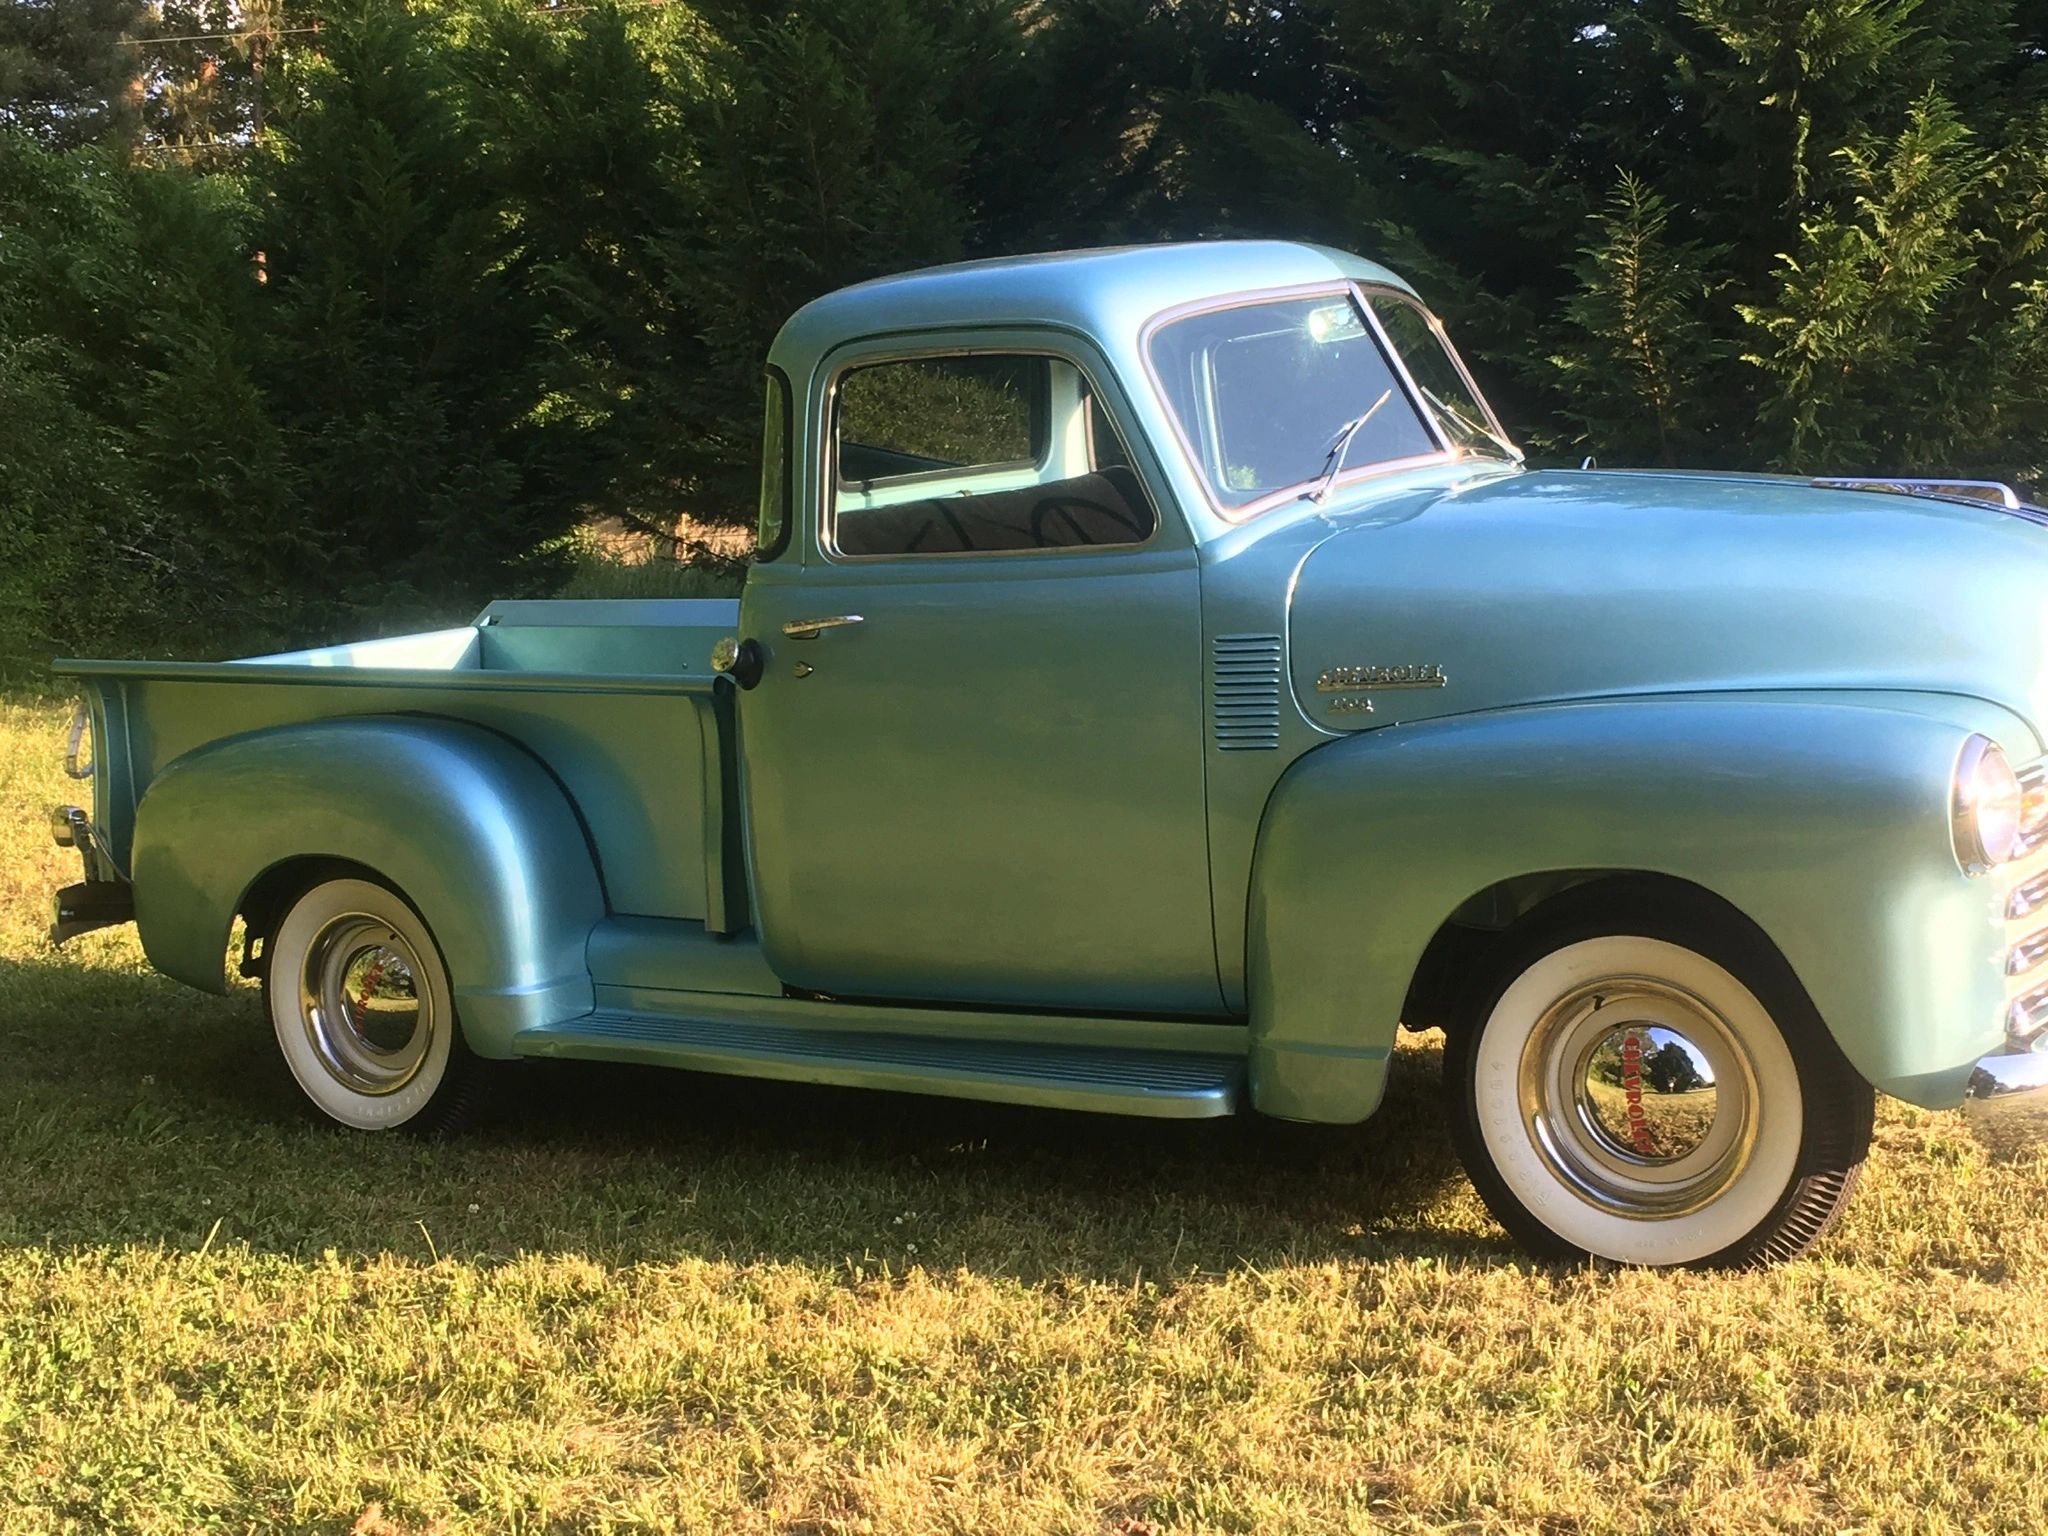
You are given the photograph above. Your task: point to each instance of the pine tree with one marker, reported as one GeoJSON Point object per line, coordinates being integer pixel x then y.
{"type": "Point", "coordinates": [823, 148]}
{"type": "Point", "coordinates": [1845, 340]}
{"type": "Point", "coordinates": [402, 358]}
{"type": "Point", "coordinates": [204, 74]}
{"type": "Point", "coordinates": [1636, 360]}
{"type": "Point", "coordinates": [143, 479]}
{"type": "Point", "coordinates": [67, 74]}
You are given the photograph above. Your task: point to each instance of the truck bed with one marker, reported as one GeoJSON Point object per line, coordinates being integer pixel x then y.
{"type": "Point", "coordinates": [616, 697]}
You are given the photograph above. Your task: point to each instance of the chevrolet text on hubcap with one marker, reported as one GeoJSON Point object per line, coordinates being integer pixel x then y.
{"type": "Point", "coordinates": [1638, 1100]}
{"type": "Point", "coordinates": [1638, 1096]}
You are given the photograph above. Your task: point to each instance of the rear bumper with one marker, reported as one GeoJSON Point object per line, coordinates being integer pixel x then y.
{"type": "Point", "coordinates": [2006, 1103]}
{"type": "Point", "coordinates": [91, 904]}
{"type": "Point", "coordinates": [102, 898]}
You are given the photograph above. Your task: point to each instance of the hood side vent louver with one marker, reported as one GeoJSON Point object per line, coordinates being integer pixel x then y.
{"type": "Point", "coordinates": [1246, 688]}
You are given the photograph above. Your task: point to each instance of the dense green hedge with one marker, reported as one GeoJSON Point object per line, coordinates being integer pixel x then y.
{"type": "Point", "coordinates": [519, 267]}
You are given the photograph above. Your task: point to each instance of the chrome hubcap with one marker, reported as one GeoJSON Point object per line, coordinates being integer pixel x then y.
{"type": "Point", "coordinates": [1639, 1097]}
{"type": "Point", "coordinates": [359, 998]}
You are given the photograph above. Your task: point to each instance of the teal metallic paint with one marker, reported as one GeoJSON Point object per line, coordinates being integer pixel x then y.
{"type": "Point", "coordinates": [1149, 1081]}
{"type": "Point", "coordinates": [470, 827]}
{"type": "Point", "coordinates": [1012, 719]}
{"type": "Point", "coordinates": [1826, 823]}
{"type": "Point", "coordinates": [632, 736]}
{"type": "Point", "coordinates": [989, 791]}
{"type": "Point", "coordinates": [1561, 585]}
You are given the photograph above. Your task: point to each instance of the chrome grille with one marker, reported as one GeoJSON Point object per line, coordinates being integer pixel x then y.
{"type": "Point", "coordinates": [2034, 808]}
{"type": "Point", "coordinates": [1247, 692]}
{"type": "Point", "coordinates": [2028, 899]}
{"type": "Point", "coordinates": [2028, 956]}
{"type": "Point", "coordinates": [2028, 1016]}
{"type": "Point", "coordinates": [2026, 914]}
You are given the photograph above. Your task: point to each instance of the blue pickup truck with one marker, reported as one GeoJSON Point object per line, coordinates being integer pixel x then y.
{"type": "Point", "coordinates": [1159, 681]}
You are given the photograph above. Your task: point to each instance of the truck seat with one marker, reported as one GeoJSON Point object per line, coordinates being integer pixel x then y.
{"type": "Point", "coordinates": [1107, 507]}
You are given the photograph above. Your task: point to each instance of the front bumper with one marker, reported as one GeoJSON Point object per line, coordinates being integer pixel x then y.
{"type": "Point", "coordinates": [2006, 1103]}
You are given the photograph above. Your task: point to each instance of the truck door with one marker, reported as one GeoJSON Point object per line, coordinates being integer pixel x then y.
{"type": "Point", "coordinates": [974, 766]}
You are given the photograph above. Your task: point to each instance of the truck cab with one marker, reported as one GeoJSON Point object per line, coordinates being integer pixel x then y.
{"type": "Point", "coordinates": [1159, 680]}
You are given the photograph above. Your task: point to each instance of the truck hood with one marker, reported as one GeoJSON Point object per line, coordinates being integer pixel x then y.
{"type": "Point", "coordinates": [1551, 585]}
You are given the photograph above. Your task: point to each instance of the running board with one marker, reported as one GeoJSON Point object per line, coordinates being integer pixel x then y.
{"type": "Point", "coordinates": [1179, 1085]}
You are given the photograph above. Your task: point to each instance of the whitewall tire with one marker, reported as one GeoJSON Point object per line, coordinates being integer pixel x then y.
{"type": "Point", "coordinates": [1653, 1090]}
{"type": "Point", "coordinates": [363, 1012]}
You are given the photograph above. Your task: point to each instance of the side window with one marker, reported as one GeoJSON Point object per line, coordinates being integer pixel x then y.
{"type": "Point", "coordinates": [971, 454]}
{"type": "Point", "coordinates": [772, 535]}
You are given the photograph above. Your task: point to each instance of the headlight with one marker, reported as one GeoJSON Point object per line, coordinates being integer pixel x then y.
{"type": "Point", "coordinates": [1988, 806]}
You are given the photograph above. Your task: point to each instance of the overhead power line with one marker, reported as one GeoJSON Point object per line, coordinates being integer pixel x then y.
{"type": "Point", "coordinates": [217, 37]}
{"type": "Point", "coordinates": [222, 37]}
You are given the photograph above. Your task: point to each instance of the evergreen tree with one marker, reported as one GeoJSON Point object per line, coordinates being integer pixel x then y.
{"type": "Point", "coordinates": [402, 356]}
{"type": "Point", "coordinates": [67, 75]}
{"type": "Point", "coordinates": [1639, 350]}
{"type": "Point", "coordinates": [205, 64]}
{"type": "Point", "coordinates": [824, 146]}
{"type": "Point", "coordinates": [142, 477]}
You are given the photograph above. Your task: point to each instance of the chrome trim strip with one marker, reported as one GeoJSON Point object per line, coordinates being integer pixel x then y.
{"type": "Point", "coordinates": [1993, 492]}
{"type": "Point", "coordinates": [810, 629]}
{"type": "Point", "coordinates": [2034, 807]}
{"type": "Point", "coordinates": [2028, 956]}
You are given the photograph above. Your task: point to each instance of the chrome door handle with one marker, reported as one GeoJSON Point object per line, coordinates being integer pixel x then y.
{"type": "Point", "coordinates": [810, 629]}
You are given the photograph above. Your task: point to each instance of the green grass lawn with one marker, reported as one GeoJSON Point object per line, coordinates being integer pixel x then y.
{"type": "Point", "coordinates": [651, 1301]}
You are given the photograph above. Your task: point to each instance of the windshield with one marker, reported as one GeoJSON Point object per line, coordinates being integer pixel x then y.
{"type": "Point", "coordinates": [1284, 397]}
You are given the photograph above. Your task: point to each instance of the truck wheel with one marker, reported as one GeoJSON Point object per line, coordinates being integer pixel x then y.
{"type": "Point", "coordinates": [364, 1014]}
{"type": "Point", "coordinates": [1653, 1090]}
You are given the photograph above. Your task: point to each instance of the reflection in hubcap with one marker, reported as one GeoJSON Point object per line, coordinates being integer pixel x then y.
{"type": "Point", "coordinates": [360, 1002]}
{"type": "Point", "coordinates": [1650, 1092]}
{"type": "Point", "coordinates": [1638, 1096]}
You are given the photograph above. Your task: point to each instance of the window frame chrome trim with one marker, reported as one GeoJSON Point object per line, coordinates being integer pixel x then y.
{"type": "Point", "coordinates": [826, 529]}
{"type": "Point", "coordinates": [778, 380]}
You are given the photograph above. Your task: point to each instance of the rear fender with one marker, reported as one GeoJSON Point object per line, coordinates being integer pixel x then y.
{"type": "Point", "coordinates": [1825, 823]}
{"type": "Point", "coordinates": [466, 825]}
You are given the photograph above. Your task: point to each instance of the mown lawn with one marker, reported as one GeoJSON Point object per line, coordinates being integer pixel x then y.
{"type": "Point", "coordinates": [647, 1301]}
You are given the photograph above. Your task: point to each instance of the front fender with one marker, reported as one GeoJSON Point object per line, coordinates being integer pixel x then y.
{"type": "Point", "coordinates": [469, 827]}
{"type": "Point", "coordinates": [1826, 823]}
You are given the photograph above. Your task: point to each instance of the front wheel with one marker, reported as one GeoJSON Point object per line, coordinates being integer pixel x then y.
{"type": "Point", "coordinates": [364, 1014]}
{"type": "Point", "coordinates": [1653, 1092]}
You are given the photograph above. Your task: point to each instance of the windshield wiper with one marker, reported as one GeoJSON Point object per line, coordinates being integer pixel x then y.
{"type": "Point", "coordinates": [1465, 421]}
{"type": "Point", "coordinates": [1340, 444]}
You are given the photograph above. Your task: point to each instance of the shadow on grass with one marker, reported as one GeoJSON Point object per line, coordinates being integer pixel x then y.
{"type": "Point", "coordinates": [137, 1112]}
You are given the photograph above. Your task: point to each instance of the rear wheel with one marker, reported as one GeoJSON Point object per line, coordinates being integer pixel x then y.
{"type": "Point", "coordinates": [1653, 1089]}
{"type": "Point", "coordinates": [364, 1014]}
